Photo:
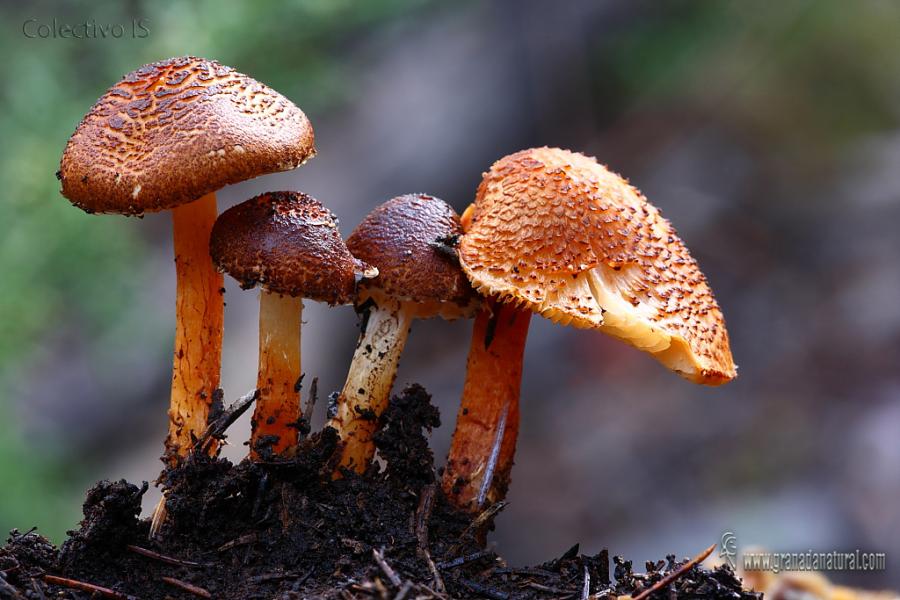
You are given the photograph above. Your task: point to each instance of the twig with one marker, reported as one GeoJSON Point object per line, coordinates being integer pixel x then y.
{"type": "Point", "coordinates": [407, 585]}
{"type": "Point", "coordinates": [423, 516]}
{"type": "Point", "coordinates": [312, 398]}
{"type": "Point", "coordinates": [247, 538]}
{"type": "Point", "coordinates": [260, 492]}
{"type": "Point", "coordinates": [9, 590]}
{"type": "Point", "coordinates": [37, 589]}
{"type": "Point", "coordinates": [531, 571]}
{"type": "Point", "coordinates": [484, 590]}
{"type": "Point", "coordinates": [367, 588]}
{"type": "Point", "coordinates": [432, 594]}
{"type": "Point", "coordinates": [160, 514]}
{"type": "Point", "coordinates": [15, 535]}
{"type": "Point", "coordinates": [550, 590]}
{"type": "Point", "coordinates": [485, 516]}
{"type": "Point", "coordinates": [187, 587]}
{"type": "Point", "coordinates": [216, 429]}
{"type": "Point", "coordinates": [438, 581]}
{"type": "Point", "coordinates": [303, 421]}
{"type": "Point", "coordinates": [674, 575]}
{"type": "Point", "coordinates": [586, 588]}
{"type": "Point", "coordinates": [462, 560]}
{"type": "Point", "coordinates": [388, 571]}
{"type": "Point", "coordinates": [87, 587]}
{"type": "Point", "coordinates": [271, 577]}
{"type": "Point", "coordinates": [163, 558]}
{"type": "Point", "coordinates": [282, 576]}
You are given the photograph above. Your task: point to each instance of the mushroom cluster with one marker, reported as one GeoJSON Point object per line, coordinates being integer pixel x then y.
{"type": "Point", "coordinates": [167, 137]}
{"type": "Point", "coordinates": [550, 232]}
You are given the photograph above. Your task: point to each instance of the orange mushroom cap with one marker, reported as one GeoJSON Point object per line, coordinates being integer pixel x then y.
{"type": "Point", "coordinates": [174, 130]}
{"type": "Point", "coordinates": [560, 234]}
{"type": "Point", "coordinates": [399, 238]}
{"type": "Point", "coordinates": [288, 243]}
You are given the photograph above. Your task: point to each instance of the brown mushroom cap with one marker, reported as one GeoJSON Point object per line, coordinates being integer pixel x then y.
{"type": "Point", "coordinates": [399, 239]}
{"type": "Point", "coordinates": [557, 232]}
{"type": "Point", "coordinates": [288, 243]}
{"type": "Point", "coordinates": [173, 131]}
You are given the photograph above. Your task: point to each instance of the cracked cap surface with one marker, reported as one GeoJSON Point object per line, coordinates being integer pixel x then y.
{"type": "Point", "coordinates": [560, 234]}
{"type": "Point", "coordinates": [401, 238]}
{"type": "Point", "coordinates": [288, 243]}
{"type": "Point", "coordinates": [173, 131]}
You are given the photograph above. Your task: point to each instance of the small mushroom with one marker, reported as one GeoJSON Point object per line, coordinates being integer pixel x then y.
{"type": "Point", "coordinates": [555, 233]}
{"type": "Point", "coordinates": [166, 137]}
{"type": "Point", "coordinates": [403, 238]}
{"type": "Point", "coordinates": [289, 245]}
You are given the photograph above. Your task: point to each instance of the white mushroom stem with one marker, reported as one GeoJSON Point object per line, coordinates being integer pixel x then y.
{"type": "Point", "coordinates": [369, 382]}
{"type": "Point", "coordinates": [274, 424]}
{"type": "Point", "coordinates": [198, 333]}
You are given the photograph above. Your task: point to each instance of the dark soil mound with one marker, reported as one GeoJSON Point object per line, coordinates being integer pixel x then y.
{"type": "Point", "coordinates": [285, 530]}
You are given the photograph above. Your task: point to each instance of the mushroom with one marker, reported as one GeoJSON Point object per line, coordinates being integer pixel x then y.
{"type": "Point", "coordinates": [555, 233]}
{"type": "Point", "coordinates": [167, 136]}
{"type": "Point", "coordinates": [289, 244]}
{"type": "Point", "coordinates": [403, 238]}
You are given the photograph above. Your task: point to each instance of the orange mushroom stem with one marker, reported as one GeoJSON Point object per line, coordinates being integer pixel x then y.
{"type": "Point", "coordinates": [278, 408]}
{"type": "Point", "coordinates": [198, 333]}
{"type": "Point", "coordinates": [487, 425]}
{"type": "Point", "coordinates": [288, 243]}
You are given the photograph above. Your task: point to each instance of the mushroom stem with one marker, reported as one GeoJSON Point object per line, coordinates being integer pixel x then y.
{"type": "Point", "coordinates": [487, 425]}
{"type": "Point", "coordinates": [274, 424]}
{"type": "Point", "coordinates": [198, 332]}
{"type": "Point", "coordinates": [369, 382]}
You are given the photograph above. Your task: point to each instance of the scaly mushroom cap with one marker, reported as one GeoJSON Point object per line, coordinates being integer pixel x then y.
{"type": "Point", "coordinates": [173, 131]}
{"type": "Point", "coordinates": [400, 238]}
{"type": "Point", "coordinates": [557, 232]}
{"type": "Point", "coordinates": [288, 243]}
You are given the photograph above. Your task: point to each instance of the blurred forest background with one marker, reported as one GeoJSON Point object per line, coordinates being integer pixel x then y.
{"type": "Point", "coordinates": [769, 133]}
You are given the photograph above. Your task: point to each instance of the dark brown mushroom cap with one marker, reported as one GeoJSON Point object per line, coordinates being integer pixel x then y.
{"type": "Point", "coordinates": [557, 232]}
{"type": "Point", "coordinates": [402, 239]}
{"type": "Point", "coordinates": [173, 131]}
{"type": "Point", "coordinates": [288, 243]}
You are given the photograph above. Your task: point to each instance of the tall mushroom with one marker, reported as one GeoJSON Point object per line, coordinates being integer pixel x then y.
{"type": "Point", "coordinates": [402, 239]}
{"type": "Point", "coordinates": [167, 136]}
{"type": "Point", "coordinates": [555, 233]}
{"type": "Point", "coordinates": [289, 244]}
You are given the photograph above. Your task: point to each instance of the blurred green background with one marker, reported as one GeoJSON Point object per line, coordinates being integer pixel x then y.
{"type": "Point", "coordinates": [767, 132]}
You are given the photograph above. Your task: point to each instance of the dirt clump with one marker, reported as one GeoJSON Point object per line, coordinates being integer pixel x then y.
{"type": "Point", "coordinates": [283, 529]}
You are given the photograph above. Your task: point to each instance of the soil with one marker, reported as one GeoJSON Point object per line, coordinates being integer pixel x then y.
{"type": "Point", "coordinates": [283, 529]}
